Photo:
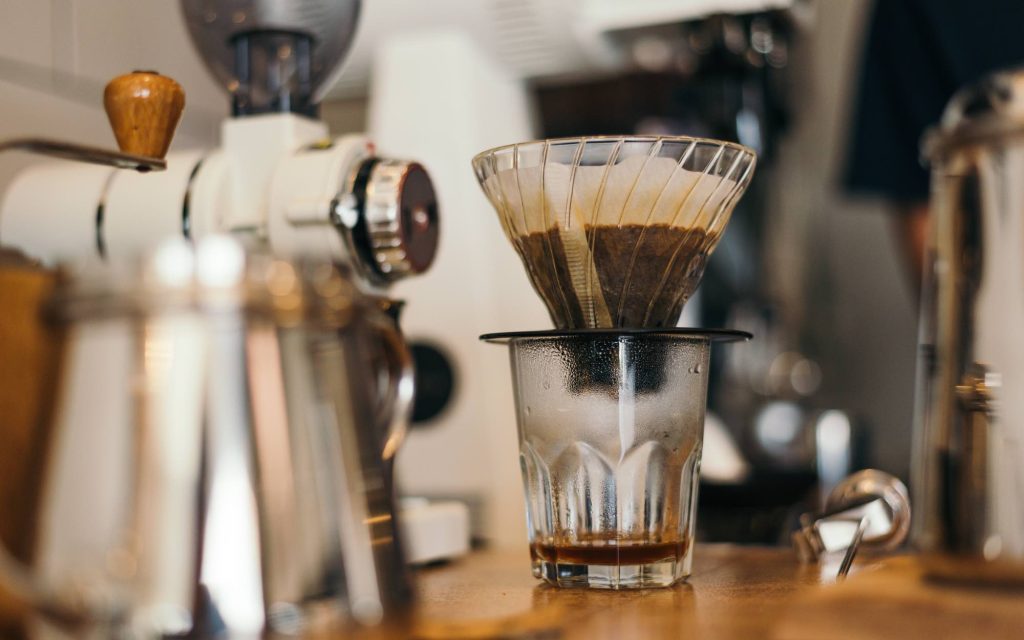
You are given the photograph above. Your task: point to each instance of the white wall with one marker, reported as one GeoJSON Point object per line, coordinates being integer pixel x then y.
{"type": "Point", "coordinates": [57, 55]}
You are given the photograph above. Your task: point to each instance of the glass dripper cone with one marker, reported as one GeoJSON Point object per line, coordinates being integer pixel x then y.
{"type": "Point", "coordinates": [615, 232]}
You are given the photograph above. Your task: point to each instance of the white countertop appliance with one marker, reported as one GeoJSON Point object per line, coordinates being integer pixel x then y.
{"type": "Point", "coordinates": [277, 180]}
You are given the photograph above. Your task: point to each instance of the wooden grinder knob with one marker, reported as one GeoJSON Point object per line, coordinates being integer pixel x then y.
{"type": "Point", "coordinates": [144, 108]}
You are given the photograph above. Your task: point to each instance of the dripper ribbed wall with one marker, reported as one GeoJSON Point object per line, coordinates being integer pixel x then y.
{"type": "Point", "coordinates": [615, 232]}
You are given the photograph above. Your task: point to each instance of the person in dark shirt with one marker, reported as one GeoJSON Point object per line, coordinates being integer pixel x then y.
{"type": "Point", "coordinates": [916, 55]}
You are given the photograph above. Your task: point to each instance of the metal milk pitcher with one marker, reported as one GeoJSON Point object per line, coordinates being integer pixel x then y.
{"type": "Point", "coordinates": [969, 448]}
{"type": "Point", "coordinates": [219, 464]}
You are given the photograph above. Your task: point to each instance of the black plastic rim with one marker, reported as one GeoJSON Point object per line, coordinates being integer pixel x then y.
{"type": "Point", "coordinates": [713, 335]}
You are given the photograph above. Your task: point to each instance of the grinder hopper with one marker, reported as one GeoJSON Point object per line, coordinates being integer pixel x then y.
{"type": "Point", "coordinates": [615, 232]}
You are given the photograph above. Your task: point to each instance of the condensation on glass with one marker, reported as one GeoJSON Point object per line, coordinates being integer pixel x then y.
{"type": "Point", "coordinates": [610, 434]}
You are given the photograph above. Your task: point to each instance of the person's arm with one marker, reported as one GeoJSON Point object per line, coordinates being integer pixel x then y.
{"type": "Point", "coordinates": [904, 85]}
{"type": "Point", "coordinates": [910, 226]}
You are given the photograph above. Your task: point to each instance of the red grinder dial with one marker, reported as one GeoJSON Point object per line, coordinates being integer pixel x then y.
{"type": "Point", "coordinates": [400, 212]}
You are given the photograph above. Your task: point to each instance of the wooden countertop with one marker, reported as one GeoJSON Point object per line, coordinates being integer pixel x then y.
{"type": "Point", "coordinates": [734, 592]}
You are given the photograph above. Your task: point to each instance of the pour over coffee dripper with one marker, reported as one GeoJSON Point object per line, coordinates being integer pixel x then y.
{"type": "Point", "coordinates": [614, 234]}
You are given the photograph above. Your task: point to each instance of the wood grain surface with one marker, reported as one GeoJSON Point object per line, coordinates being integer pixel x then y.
{"type": "Point", "coordinates": [893, 600]}
{"type": "Point", "coordinates": [144, 108]}
{"type": "Point", "coordinates": [734, 592]}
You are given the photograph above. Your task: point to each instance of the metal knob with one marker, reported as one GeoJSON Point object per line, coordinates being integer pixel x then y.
{"type": "Point", "coordinates": [978, 388]}
{"type": "Point", "coordinates": [400, 213]}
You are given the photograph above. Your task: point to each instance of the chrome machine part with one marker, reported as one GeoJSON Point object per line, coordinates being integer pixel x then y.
{"type": "Point", "coordinates": [245, 409]}
{"type": "Point", "coordinates": [863, 488]}
{"type": "Point", "coordinates": [84, 153]}
{"type": "Point", "coordinates": [338, 201]}
{"type": "Point", "coordinates": [869, 509]}
{"type": "Point", "coordinates": [272, 55]}
{"type": "Point", "coordinates": [969, 432]}
{"type": "Point", "coordinates": [400, 217]}
{"type": "Point", "coordinates": [987, 113]}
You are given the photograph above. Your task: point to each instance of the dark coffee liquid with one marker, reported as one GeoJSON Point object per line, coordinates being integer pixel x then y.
{"type": "Point", "coordinates": [644, 273]}
{"type": "Point", "coordinates": [625, 552]}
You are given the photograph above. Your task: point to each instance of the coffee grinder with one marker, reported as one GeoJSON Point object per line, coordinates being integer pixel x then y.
{"type": "Point", "coordinates": [278, 181]}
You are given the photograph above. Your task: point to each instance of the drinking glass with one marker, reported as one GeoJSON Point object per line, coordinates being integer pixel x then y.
{"type": "Point", "coordinates": [610, 432]}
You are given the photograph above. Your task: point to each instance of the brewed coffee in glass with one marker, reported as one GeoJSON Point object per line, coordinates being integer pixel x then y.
{"type": "Point", "coordinates": [610, 432]}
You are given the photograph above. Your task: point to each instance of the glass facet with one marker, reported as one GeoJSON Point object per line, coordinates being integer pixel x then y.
{"type": "Point", "coordinates": [615, 231]}
{"type": "Point", "coordinates": [610, 433]}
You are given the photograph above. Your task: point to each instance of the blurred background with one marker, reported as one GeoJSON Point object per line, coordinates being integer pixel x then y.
{"type": "Point", "coordinates": [816, 275]}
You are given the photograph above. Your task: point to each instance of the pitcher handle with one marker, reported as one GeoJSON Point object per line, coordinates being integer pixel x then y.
{"type": "Point", "coordinates": [396, 403]}
{"type": "Point", "coordinates": [27, 594]}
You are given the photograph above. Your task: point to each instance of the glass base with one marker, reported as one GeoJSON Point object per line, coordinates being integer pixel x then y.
{"type": "Point", "coordinates": [663, 573]}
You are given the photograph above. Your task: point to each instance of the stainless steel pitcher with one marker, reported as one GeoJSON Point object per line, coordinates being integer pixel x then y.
{"type": "Point", "coordinates": [220, 459]}
{"type": "Point", "coordinates": [969, 466]}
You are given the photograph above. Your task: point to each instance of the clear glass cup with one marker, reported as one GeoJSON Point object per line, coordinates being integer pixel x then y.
{"type": "Point", "coordinates": [610, 431]}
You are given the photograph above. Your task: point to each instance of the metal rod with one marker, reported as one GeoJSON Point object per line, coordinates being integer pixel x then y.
{"type": "Point", "coordinates": [83, 153]}
{"type": "Point", "coordinates": [851, 551]}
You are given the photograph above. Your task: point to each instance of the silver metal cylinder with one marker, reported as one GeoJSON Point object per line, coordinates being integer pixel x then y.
{"type": "Point", "coordinates": [969, 464]}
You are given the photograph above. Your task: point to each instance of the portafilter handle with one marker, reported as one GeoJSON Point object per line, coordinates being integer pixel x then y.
{"type": "Point", "coordinates": [143, 107]}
